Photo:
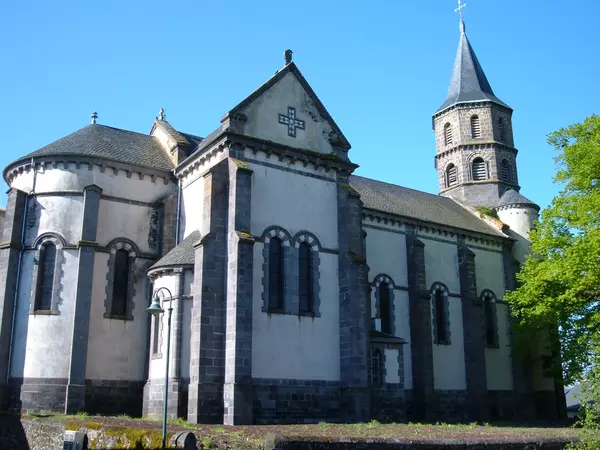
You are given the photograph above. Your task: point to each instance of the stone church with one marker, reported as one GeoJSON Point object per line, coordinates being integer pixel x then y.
{"type": "Point", "coordinates": [300, 292]}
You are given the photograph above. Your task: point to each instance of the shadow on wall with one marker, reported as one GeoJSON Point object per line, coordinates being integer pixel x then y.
{"type": "Point", "coordinates": [12, 433]}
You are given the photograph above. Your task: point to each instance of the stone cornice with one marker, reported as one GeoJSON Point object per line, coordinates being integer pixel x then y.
{"type": "Point", "coordinates": [294, 154]}
{"type": "Point", "coordinates": [471, 145]}
{"type": "Point", "coordinates": [487, 181]}
{"type": "Point", "coordinates": [223, 140]}
{"type": "Point", "coordinates": [398, 221]}
{"type": "Point", "coordinates": [40, 162]}
{"type": "Point", "coordinates": [474, 104]}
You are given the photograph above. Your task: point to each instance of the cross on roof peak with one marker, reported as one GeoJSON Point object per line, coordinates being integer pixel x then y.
{"type": "Point", "coordinates": [459, 10]}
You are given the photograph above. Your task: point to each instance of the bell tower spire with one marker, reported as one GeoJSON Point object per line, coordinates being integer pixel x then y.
{"type": "Point", "coordinates": [476, 157]}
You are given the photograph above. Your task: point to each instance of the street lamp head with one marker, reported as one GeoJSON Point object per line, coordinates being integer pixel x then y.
{"type": "Point", "coordinates": [155, 308]}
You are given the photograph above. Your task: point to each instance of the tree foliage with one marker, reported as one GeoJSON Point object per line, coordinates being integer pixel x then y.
{"type": "Point", "coordinates": [560, 282]}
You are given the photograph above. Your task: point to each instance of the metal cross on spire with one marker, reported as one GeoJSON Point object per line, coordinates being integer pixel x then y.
{"type": "Point", "coordinates": [461, 5]}
{"type": "Point", "coordinates": [459, 10]}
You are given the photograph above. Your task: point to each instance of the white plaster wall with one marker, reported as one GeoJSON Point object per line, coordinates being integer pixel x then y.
{"type": "Point", "coordinates": [386, 253]}
{"type": "Point", "coordinates": [61, 215]}
{"type": "Point", "coordinates": [192, 207]}
{"type": "Point", "coordinates": [61, 178]}
{"type": "Point", "coordinates": [448, 360]}
{"type": "Point", "coordinates": [288, 92]}
{"type": "Point", "coordinates": [489, 272]}
{"type": "Point", "coordinates": [122, 220]}
{"type": "Point", "coordinates": [498, 362]}
{"type": "Point", "coordinates": [519, 219]}
{"type": "Point", "coordinates": [294, 202]}
{"type": "Point", "coordinates": [294, 347]}
{"type": "Point", "coordinates": [441, 264]}
{"type": "Point", "coordinates": [392, 367]}
{"type": "Point", "coordinates": [117, 348]}
{"type": "Point", "coordinates": [157, 364]}
{"type": "Point", "coordinates": [42, 343]}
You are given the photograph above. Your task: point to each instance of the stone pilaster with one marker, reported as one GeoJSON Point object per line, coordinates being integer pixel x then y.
{"type": "Point", "coordinates": [237, 393]}
{"type": "Point", "coordinates": [10, 245]}
{"type": "Point", "coordinates": [473, 336]}
{"type": "Point", "coordinates": [354, 307]}
{"type": "Point", "coordinates": [75, 395]}
{"type": "Point", "coordinates": [207, 346]}
{"type": "Point", "coordinates": [419, 302]}
{"type": "Point", "coordinates": [523, 401]}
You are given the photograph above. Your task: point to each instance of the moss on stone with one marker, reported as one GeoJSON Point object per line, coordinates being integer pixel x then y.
{"type": "Point", "coordinates": [94, 425]}
{"type": "Point", "coordinates": [136, 438]}
{"type": "Point", "coordinates": [487, 211]}
{"type": "Point", "coordinates": [71, 425]}
{"type": "Point", "coordinates": [326, 156]}
{"type": "Point", "coordinates": [349, 189]}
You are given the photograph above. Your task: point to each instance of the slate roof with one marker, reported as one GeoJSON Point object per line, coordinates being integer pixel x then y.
{"type": "Point", "coordinates": [512, 197]}
{"type": "Point", "coordinates": [468, 82]}
{"type": "Point", "coordinates": [183, 254]}
{"type": "Point", "coordinates": [109, 143]}
{"type": "Point", "coordinates": [401, 201]}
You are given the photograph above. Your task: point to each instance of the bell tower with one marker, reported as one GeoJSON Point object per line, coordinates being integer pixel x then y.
{"type": "Point", "coordinates": [476, 156]}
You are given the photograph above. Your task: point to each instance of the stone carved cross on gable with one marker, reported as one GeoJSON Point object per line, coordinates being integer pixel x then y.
{"type": "Point", "coordinates": [291, 121]}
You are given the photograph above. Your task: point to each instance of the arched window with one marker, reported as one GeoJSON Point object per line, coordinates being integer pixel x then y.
{"type": "Point", "coordinates": [448, 134]}
{"type": "Point", "coordinates": [305, 279]}
{"type": "Point", "coordinates": [155, 334]}
{"type": "Point", "coordinates": [505, 171]}
{"type": "Point", "coordinates": [479, 169]}
{"type": "Point", "coordinates": [45, 280]}
{"type": "Point", "coordinates": [501, 129]}
{"type": "Point", "coordinates": [275, 274]}
{"type": "Point", "coordinates": [489, 310]}
{"type": "Point", "coordinates": [451, 175]}
{"type": "Point", "coordinates": [440, 317]}
{"type": "Point", "coordinates": [120, 283]}
{"type": "Point", "coordinates": [385, 308]}
{"type": "Point", "coordinates": [475, 127]}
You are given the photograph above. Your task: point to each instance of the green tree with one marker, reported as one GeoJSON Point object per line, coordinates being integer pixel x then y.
{"type": "Point", "coordinates": [560, 282]}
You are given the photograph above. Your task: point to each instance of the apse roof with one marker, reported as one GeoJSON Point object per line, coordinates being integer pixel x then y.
{"type": "Point", "coordinates": [109, 143]}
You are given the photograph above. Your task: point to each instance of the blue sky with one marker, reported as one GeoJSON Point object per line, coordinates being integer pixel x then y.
{"type": "Point", "coordinates": [380, 67]}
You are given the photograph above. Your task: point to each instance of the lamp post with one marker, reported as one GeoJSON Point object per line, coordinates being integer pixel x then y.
{"type": "Point", "coordinates": [156, 310]}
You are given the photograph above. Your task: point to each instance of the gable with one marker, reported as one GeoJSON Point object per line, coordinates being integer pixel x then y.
{"type": "Point", "coordinates": [285, 110]}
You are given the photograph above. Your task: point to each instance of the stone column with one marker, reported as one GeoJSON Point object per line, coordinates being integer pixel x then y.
{"type": "Point", "coordinates": [237, 394]}
{"type": "Point", "coordinates": [75, 396]}
{"type": "Point", "coordinates": [474, 336]}
{"type": "Point", "coordinates": [354, 307]}
{"type": "Point", "coordinates": [523, 401]}
{"type": "Point", "coordinates": [10, 246]}
{"type": "Point", "coordinates": [207, 346]}
{"type": "Point", "coordinates": [419, 304]}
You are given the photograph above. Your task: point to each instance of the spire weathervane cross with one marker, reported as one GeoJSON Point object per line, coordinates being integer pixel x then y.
{"type": "Point", "coordinates": [461, 5]}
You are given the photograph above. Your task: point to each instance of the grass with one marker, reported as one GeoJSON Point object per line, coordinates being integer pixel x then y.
{"type": "Point", "coordinates": [253, 437]}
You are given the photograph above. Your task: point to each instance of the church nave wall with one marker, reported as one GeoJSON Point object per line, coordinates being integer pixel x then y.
{"type": "Point", "coordinates": [294, 347]}
{"type": "Point", "coordinates": [441, 266]}
{"type": "Point", "coordinates": [54, 214]}
{"type": "Point", "coordinates": [295, 203]}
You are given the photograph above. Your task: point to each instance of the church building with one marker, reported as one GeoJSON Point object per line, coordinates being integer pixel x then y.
{"type": "Point", "coordinates": [300, 291]}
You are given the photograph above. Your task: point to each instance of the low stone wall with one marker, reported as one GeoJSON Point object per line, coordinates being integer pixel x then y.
{"type": "Point", "coordinates": [282, 444]}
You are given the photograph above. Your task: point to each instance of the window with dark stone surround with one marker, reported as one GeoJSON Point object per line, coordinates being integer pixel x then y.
{"type": "Point", "coordinates": [305, 279]}
{"type": "Point", "coordinates": [276, 274]}
{"type": "Point", "coordinates": [47, 261]}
